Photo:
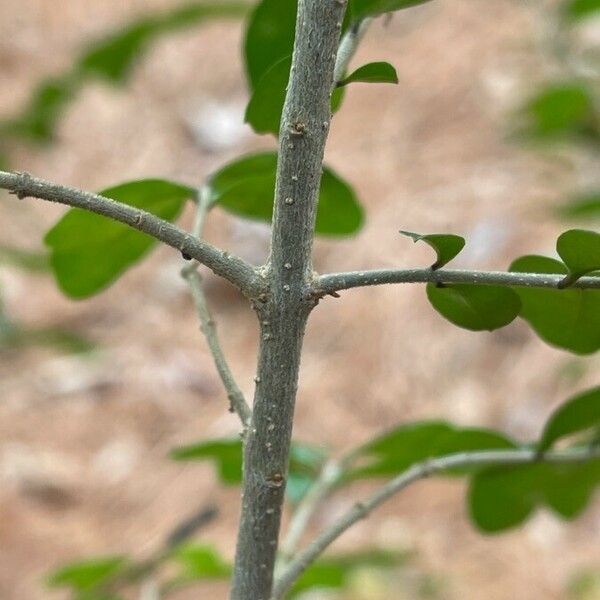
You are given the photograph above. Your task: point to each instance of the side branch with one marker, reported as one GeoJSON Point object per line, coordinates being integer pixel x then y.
{"type": "Point", "coordinates": [336, 282]}
{"type": "Point", "coordinates": [417, 472]}
{"type": "Point", "coordinates": [231, 268]}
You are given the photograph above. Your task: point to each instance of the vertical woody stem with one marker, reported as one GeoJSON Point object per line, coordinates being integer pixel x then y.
{"type": "Point", "coordinates": [283, 314]}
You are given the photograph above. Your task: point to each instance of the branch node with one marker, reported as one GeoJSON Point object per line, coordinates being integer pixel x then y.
{"type": "Point", "coordinates": [23, 184]}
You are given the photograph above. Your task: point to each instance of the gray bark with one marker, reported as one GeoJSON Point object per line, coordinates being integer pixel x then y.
{"type": "Point", "coordinates": [283, 315]}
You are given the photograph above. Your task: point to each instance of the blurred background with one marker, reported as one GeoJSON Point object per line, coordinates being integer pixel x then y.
{"type": "Point", "coordinates": [84, 436]}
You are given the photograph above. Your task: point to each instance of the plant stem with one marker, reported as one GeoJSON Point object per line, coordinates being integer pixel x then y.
{"type": "Point", "coordinates": [231, 268]}
{"type": "Point", "coordinates": [190, 273]}
{"type": "Point", "coordinates": [415, 473]}
{"type": "Point", "coordinates": [336, 282]}
{"type": "Point", "coordinates": [283, 315]}
{"type": "Point", "coordinates": [330, 476]}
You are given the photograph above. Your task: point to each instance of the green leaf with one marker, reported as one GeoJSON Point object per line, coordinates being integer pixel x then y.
{"type": "Point", "coordinates": [576, 10]}
{"type": "Point", "coordinates": [375, 72]}
{"type": "Point", "coordinates": [89, 252]}
{"type": "Point", "coordinates": [475, 307]}
{"type": "Point", "coordinates": [371, 8]}
{"type": "Point", "coordinates": [263, 112]}
{"type": "Point", "coordinates": [560, 111]}
{"type": "Point", "coordinates": [569, 319]}
{"type": "Point", "coordinates": [305, 462]}
{"type": "Point", "coordinates": [199, 562]}
{"type": "Point", "coordinates": [580, 251]}
{"type": "Point", "coordinates": [578, 414]}
{"type": "Point", "coordinates": [586, 206]}
{"type": "Point", "coordinates": [446, 246]}
{"type": "Point", "coordinates": [86, 575]}
{"type": "Point", "coordinates": [269, 37]}
{"type": "Point", "coordinates": [404, 446]}
{"type": "Point", "coordinates": [502, 498]}
{"type": "Point", "coordinates": [335, 572]}
{"type": "Point", "coordinates": [16, 337]}
{"type": "Point", "coordinates": [111, 59]}
{"type": "Point", "coordinates": [265, 107]}
{"type": "Point", "coordinates": [246, 187]}
{"type": "Point", "coordinates": [38, 121]}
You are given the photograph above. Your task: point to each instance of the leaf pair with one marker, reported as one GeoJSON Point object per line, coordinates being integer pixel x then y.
{"type": "Point", "coordinates": [89, 252]}
{"type": "Point", "coordinates": [568, 318]}
{"type": "Point", "coordinates": [268, 49]}
{"type": "Point", "coordinates": [499, 497]}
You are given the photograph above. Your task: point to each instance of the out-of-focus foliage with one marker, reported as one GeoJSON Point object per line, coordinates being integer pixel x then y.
{"type": "Point", "coordinates": [111, 59]}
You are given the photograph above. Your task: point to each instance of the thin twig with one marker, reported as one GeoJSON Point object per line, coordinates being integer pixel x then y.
{"type": "Point", "coordinates": [336, 282]}
{"type": "Point", "coordinates": [190, 273]}
{"type": "Point", "coordinates": [308, 507]}
{"type": "Point", "coordinates": [231, 268]}
{"type": "Point", "coordinates": [348, 47]}
{"type": "Point", "coordinates": [417, 472]}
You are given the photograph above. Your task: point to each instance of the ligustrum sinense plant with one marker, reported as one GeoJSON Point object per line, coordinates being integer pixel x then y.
{"type": "Point", "coordinates": [297, 61]}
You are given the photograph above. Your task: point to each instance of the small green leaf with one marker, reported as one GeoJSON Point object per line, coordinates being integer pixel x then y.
{"type": "Point", "coordinates": [578, 414]}
{"type": "Point", "coordinates": [502, 498]}
{"type": "Point", "coordinates": [475, 307]}
{"type": "Point", "coordinates": [584, 207]}
{"type": "Point", "coordinates": [113, 58]}
{"type": "Point", "coordinates": [246, 187]}
{"type": "Point", "coordinates": [38, 121]}
{"type": "Point", "coordinates": [580, 251]}
{"type": "Point", "coordinates": [86, 575]}
{"type": "Point", "coordinates": [569, 319]}
{"type": "Point", "coordinates": [199, 562]}
{"type": "Point", "coordinates": [89, 252]}
{"type": "Point", "coordinates": [269, 37]}
{"type": "Point", "coordinates": [560, 111]}
{"type": "Point", "coordinates": [404, 446]}
{"type": "Point", "coordinates": [305, 462]}
{"type": "Point", "coordinates": [334, 573]}
{"type": "Point", "coordinates": [576, 10]}
{"type": "Point", "coordinates": [371, 8]}
{"type": "Point", "coordinates": [446, 246]}
{"type": "Point", "coordinates": [226, 455]}
{"type": "Point", "coordinates": [265, 107]}
{"type": "Point", "coordinates": [375, 72]}
{"type": "Point", "coordinates": [263, 112]}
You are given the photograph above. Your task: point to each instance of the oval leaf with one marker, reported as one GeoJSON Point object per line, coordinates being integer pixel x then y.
{"type": "Point", "coordinates": [581, 9]}
{"type": "Point", "coordinates": [399, 449]}
{"type": "Point", "coordinates": [475, 307]}
{"type": "Point", "coordinates": [560, 111]}
{"type": "Point", "coordinates": [446, 246]}
{"type": "Point", "coordinates": [502, 498]}
{"type": "Point", "coordinates": [265, 107]}
{"type": "Point", "coordinates": [263, 112]}
{"type": "Point", "coordinates": [269, 37]}
{"type": "Point", "coordinates": [375, 72]}
{"type": "Point", "coordinates": [246, 188]}
{"type": "Point", "coordinates": [89, 252]}
{"type": "Point", "coordinates": [86, 575]}
{"type": "Point", "coordinates": [199, 563]}
{"type": "Point", "coordinates": [578, 414]}
{"type": "Point", "coordinates": [580, 251]}
{"type": "Point", "coordinates": [569, 319]}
